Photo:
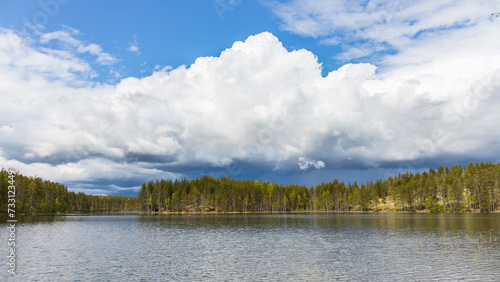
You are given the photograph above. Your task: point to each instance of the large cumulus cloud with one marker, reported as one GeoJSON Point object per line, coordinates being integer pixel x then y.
{"type": "Point", "coordinates": [257, 105]}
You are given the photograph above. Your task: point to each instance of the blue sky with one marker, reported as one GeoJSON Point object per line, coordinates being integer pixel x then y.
{"type": "Point", "coordinates": [170, 33]}
{"type": "Point", "coordinates": [104, 95]}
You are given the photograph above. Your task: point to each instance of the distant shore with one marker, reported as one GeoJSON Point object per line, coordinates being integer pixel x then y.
{"type": "Point", "coordinates": [88, 213]}
{"type": "Point", "coordinates": [310, 212]}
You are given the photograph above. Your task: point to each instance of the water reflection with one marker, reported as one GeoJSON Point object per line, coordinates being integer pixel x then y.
{"type": "Point", "coordinates": [319, 247]}
{"type": "Point", "coordinates": [395, 222]}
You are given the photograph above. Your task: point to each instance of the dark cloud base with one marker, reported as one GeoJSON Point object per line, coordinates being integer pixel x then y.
{"type": "Point", "coordinates": [264, 173]}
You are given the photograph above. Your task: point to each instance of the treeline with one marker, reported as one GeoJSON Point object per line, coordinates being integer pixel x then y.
{"type": "Point", "coordinates": [474, 188]}
{"type": "Point", "coordinates": [35, 195]}
{"type": "Point", "coordinates": [455, 189]}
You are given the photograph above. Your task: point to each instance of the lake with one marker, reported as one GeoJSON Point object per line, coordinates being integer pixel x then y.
{"type": "Point", "coordinates": [256, 247]}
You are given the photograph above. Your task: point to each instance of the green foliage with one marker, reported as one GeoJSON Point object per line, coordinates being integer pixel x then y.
{"type": "Point", "coordinates": [34, 195]}
{"type": "Point", "coordinates": [456, 189]}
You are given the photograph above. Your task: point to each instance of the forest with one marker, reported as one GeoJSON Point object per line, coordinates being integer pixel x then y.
{"type": "Point", "coordinates": [473, 188]}
{"type": "Point", "coordinates": [35, 195]}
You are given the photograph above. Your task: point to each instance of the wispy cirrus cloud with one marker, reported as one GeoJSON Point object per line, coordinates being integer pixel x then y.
{"type": "Point", "coordinates": [63, 36]}
{"type": "Point", "coordinates": [20, 58]}
{"type": "Point", "coordinates": [134, 46]}
{"type": "Point", "coordinates": [67, 38]}
{"type": "Point", "coordinates": [378, 25]}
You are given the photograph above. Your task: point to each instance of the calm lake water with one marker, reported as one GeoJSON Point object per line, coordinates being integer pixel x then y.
{"type": "Point", "coordinates": [292, 247]}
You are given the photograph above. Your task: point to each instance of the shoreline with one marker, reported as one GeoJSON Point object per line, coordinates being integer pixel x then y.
{"type": "Point", "coordinates": [80, 213]}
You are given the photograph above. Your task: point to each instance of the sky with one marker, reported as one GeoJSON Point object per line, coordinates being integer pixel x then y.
{"type": "Point", "coordinates": [104, 95]}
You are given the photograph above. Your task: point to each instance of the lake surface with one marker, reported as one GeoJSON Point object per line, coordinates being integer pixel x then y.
{"type": "Point", "coordinates": [291, 247]}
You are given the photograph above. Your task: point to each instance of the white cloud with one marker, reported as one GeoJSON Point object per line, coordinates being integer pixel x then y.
{"type": "Point", "coordinates": [102, 57]}
{"type": "Point", "coordinates": [105, 190]}
{"type": "Point", "coordinates": [93, 49]}
{"type": "Point", "coordinates": [305, 163]}
{"type": "Point", "coordinates": [21, 63]}
{"type": "Point", "coordinates": [384, 24]}
{"type": "Point", "coordinates": [134, 49]}
{"type": "Point", "coordinates": [106, 59]}
{"type": "Point", "coordinates": [62, 36]}
{"type": "Point", "coordinates": [256, 102]}
{"type": "Point", "coordinates": [6, 128]}
{"type": "Point", "coordinates": [90, 170]}
{"type": "Point", "coordinates": [67, 38]}
{"type": "Point", "coordinates": [134, 46]}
